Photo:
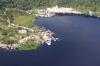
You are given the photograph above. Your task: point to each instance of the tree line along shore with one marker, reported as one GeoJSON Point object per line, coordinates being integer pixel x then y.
{"type": "Point", "coordinates": [85, 6]}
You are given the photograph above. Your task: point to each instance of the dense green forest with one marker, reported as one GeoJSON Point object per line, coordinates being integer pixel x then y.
{"type": "Point", "coordinates": [28, 4]}
{"type": "Point", "coordinates": [84, 5]}
{"type": "Point", "coordinates": [93, 5]}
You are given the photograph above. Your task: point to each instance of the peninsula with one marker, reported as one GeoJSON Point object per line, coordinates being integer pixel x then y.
{"type": "Point", "coordinates": [18, 31]}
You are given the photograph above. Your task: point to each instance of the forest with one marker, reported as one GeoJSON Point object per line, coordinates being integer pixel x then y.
{"type": "Point", "coordinates": [93, 5]}
{"type": "Point", "coordinates": [28, 4]}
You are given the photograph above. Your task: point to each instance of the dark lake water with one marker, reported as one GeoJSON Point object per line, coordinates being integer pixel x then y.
{"type": "Point", "coordinates": [79, 44]}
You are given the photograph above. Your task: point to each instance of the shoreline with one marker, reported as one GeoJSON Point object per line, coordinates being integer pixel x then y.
{"type": "Point", "coordinates": [49, 12]}
{"type": "Point", "coordinates": [60, 14]}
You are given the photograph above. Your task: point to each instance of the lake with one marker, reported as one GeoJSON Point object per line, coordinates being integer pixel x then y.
{"type": "Point", "coordinates": [78, 44]}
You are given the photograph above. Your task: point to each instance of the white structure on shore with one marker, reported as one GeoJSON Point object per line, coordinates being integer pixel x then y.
{"type": "Point", "coordinates": [48, 38]}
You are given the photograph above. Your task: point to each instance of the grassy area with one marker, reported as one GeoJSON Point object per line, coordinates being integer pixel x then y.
{"type": "Point", "coordinates": [24, 20]}
{"type": "Point", "coordinates": [29, 45]}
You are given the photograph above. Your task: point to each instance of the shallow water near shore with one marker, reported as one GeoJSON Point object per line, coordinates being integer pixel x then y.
{"type": "Point", "coordinates": [78, 44]}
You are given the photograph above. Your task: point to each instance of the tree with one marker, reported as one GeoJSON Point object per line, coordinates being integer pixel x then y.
{"type": "Point", "coordinates": [6, 14]}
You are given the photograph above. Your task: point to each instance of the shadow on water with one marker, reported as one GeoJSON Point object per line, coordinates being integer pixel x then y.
{"type": "Point", "coordinates": [79, 44]}
{"type": "Point", "coordinates": [68, 14]}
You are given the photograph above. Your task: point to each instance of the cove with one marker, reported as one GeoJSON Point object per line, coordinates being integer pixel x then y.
{"type": "Point", "coordinates": [78, 44]}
